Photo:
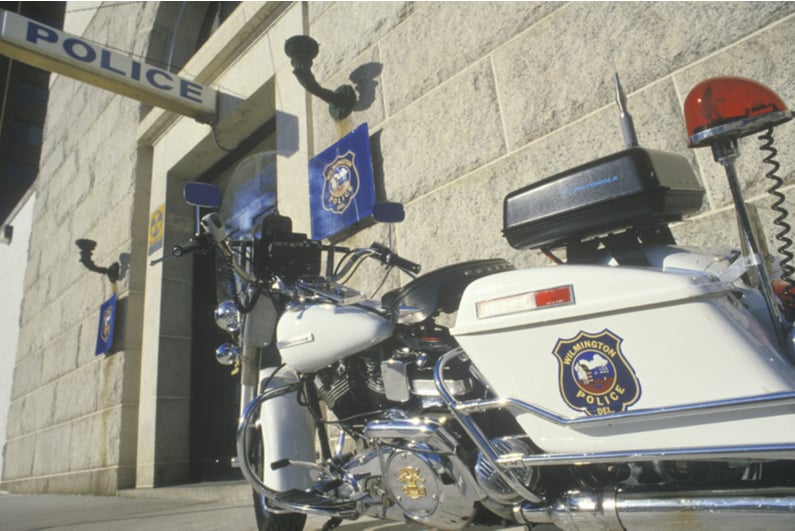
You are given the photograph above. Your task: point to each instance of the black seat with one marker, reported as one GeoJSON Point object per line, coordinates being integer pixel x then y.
{"type": "Point", "coordinates": [439, 290]}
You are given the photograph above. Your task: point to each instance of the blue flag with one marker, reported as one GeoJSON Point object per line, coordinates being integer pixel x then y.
{"type": "Point", "coordinates": [107, 318]}
{"type": "Point", "coordinates": [341, 187]}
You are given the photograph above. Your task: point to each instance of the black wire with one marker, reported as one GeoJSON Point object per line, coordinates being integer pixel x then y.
{"type": "Point", "coordinates": [352, 271]}
{"type": "Point", "coordinates": [383, 281]}
{"type": "Point", "coordinates": [266, 382]}
{"type": "Point", "coordinates": [341, 261]}
{"type": "Point", "coordinates": [232, 288]}
{"type": "Point", "coordinates": [780, 221]}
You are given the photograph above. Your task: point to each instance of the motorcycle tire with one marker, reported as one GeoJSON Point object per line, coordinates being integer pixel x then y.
{"type": "Point", "coordinates": [270, 521]}
{"type": "Point", "coordinates": [267, 520]}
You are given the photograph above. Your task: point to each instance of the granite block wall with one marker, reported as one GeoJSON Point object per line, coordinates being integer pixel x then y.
{"type": "Point", "coordinates": [468, 101]}
{"type": "Point", "coordinates": [73, 416]}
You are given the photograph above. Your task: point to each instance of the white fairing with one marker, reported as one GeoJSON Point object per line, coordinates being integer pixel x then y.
{"type": "Point", "coordinates": [317, 335]}
{"type": "Point", "coordinates": [683, 339]}
{"type": "Point", "coordinates": [287, 433]}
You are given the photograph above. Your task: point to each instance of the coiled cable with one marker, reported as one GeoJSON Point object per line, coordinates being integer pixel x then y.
{"type": "Point", "coordinates": [785, 286]}
{"type": "Point", "coordinates": [784, 228]}
{"type": "Point", "coordinates": [232, 289]}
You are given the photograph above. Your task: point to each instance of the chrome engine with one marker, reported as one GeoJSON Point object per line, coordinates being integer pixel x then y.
{"type": "Point", "coordinates": [411, 457]}
{"type": "Point", "coordinates": [418, 469]}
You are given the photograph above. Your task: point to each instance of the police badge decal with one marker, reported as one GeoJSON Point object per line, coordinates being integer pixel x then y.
{"type": "Point", "coordinates": [340, 183]}
{"type": "Point", "coordinates": [595, 378]}
{"type": "Point", "coordinates": [107, 318]}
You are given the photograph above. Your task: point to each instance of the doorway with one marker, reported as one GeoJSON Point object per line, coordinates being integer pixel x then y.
{"type": "Point", "coordinates": [215, 392]}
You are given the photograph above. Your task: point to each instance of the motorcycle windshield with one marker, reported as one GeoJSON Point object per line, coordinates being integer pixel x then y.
{"type": "Point", "coordinates": [249, 195]}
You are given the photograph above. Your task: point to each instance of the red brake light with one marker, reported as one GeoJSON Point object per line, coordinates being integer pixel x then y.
{"type": "Point", "coordinates": [553, 297]}
{"type": "Point", "coordinates": [731, 107]}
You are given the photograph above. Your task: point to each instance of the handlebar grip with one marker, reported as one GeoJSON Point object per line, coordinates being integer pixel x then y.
{"type": "Point", "coordinates": [391, 258]}
{"type": "Point", "coordinates": [404, 264]}
{"type": "Point", "coordinates": [198, 243]}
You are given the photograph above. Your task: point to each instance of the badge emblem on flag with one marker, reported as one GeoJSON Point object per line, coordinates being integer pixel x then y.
{"type": "Point", "coordinates": [340, 184]}
{"type": "Point", "coordinates": [107, 319]}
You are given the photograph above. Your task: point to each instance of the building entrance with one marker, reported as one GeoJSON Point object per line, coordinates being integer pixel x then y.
{"type": "Point", "coordinates": [215, 391]}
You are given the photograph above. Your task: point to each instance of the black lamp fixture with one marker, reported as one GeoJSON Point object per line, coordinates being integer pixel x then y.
{"type": "Point", "coordinates": [86, 250]}
{"type": "Point", "coordinates": [302, 49]}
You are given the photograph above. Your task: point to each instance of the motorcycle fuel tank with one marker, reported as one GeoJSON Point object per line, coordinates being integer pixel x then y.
{"type": "Point", "coordinates": [315, 336]}
{"type": "Point", "coordinates": [591, 342]}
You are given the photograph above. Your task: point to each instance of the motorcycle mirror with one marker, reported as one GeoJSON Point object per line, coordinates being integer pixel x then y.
{"type": "Point", "coordinates": [388, 212]}
{"type": "Point", "coordinates": [203, 195]}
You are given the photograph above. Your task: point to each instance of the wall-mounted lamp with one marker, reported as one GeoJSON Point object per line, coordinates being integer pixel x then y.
{"type": "Point", "coordinates": [86, 249]}
{"type": "Point", "coordinates": [302, 49]}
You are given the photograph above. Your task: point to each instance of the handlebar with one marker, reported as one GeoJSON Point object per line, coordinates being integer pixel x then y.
{"type": "Point", "coordinates": [197, 243]}
{"type": "Point", "coordinates": [390, 258]}
{"type": "Point", "coordinates": [202, 242]}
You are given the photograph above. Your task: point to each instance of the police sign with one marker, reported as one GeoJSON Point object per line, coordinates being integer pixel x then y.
{"type": "Point", "coordinates": [50, 49]}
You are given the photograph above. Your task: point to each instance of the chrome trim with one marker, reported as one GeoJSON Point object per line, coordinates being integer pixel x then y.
{"type": "Point", "coordinates": [462, 411]}
{"type": "Point", "coordinates": [637, 415]}
{"type": "Point", "coordinates": [295, 341]}
{"type": "Point", "coordinates": [769, 451]}
{"type": "Point", "coordinates": [396, 381]}
{"type": "Point", "coordinates": [478, 437]}
{"type": "Point", "coordinates": [428, 387]}
{"type": "Point", "coordinates": [759, 508]}
{"type": "Point", "coordinates": [740, 127]}
{"type": "Point", "coordinates": [279, 499]}
{"type": "Point", "coordinates": [700, 408]}
{"type": "Point", "coordinates": [227, 317]}
{"type": "Point", "coordinates": [413, 430]}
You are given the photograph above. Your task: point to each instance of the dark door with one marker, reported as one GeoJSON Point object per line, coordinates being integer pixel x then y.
{"type": "Point", "coordinates": [214, 390]}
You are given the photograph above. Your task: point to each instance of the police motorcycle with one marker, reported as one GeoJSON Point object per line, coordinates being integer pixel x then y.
{"type": "Point", "coordinates": [635, 384]}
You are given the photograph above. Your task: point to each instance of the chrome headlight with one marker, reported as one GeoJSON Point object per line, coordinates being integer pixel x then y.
{"type": "Point", "coordinates": [227, 354]}
{"type": "Point", "coordinates": [227, 317]}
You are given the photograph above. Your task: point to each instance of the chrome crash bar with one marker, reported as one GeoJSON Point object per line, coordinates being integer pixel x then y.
{"type": "Point", "coordinates": [463, 410]}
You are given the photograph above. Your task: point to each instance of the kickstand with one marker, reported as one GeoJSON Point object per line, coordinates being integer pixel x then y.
{"type": "Point", "coordinates": [331, 524]}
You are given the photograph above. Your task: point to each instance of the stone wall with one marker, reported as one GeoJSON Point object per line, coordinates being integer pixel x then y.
{"type": "Point", "coordinates": [468, 101]}
{"type": "Point", "coordinates": [465, 103]}
{"type": "Point", "coordinates": [73, 416]}
{"type": "Point", "coordinates": [13, 256]}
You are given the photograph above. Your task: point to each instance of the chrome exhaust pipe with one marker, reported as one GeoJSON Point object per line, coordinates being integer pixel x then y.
{"type": "Point", "coordinates": [765, 508]}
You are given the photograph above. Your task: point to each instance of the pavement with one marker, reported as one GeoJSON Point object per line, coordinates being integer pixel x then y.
{"type": "Point", "coordinates": [202, 507]}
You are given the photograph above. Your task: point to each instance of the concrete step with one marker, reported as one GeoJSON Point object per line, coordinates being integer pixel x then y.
{"type": "Point", "coordinates": [239, 493]}
{"type": "Point", "coordinates": [232, 492]}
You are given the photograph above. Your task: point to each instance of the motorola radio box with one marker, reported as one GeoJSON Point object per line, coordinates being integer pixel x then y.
{"type": "Point", "coordinates": [636, 187]}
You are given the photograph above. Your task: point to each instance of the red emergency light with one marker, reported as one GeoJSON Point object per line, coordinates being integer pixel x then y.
{"type": "Point", "coordinates": [731, 107]}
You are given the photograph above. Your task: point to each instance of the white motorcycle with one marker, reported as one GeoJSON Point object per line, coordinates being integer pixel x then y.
{"type": "Point", "coordinates": [635, 385]}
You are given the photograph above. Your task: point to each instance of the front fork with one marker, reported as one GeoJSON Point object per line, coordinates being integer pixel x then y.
{"type": "Point", "coordinates": [249, 375]}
